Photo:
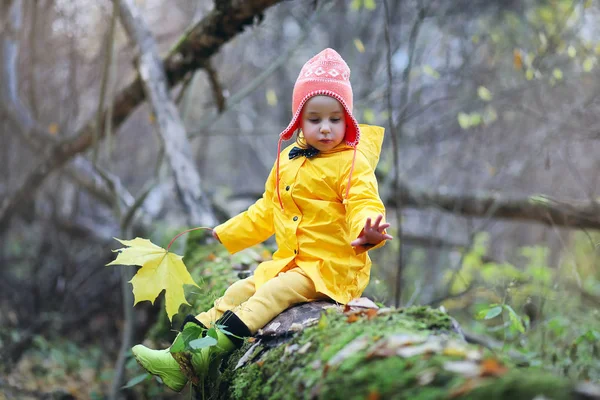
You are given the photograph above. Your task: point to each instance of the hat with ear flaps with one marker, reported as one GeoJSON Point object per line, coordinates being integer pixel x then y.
{"type": "Point", "coordinates": [326, 74]}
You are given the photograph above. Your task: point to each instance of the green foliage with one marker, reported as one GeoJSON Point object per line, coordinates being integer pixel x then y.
{"type": "Point", "coordinates": [51, 364]}
{"type": "Point", "coordinates": [544, 44]}
{"type": "Point", "coordinates": [191, 340]}
{"type": "Point", "coordinates": [494, 310]}
{"type": "Point", "coordinates": [534, 309]}
{"type": "Point", "coordinates": [369, 5]}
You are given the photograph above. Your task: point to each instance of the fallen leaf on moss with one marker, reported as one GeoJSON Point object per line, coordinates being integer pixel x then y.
{"type": "Point", "coordinates": [304, 348]}
{"type": "Point", "coordinates": [467, 369]}
{"type": "Point", "coordinates": [374, 395]}
{"type": "Point", "coordinates": [474, 355]}
{"type": "Point", "coordinates": [361, 302]}
{"type": "Point", "coordinates": [389, 346]}
{"type": "Point", "coordinates": [352, 318]}
{"type": "Point", "coordinates": [492, 367]}
{"type": "Point", "coordinates": [455, 348]}
{"type": "Point", "coordinates": [349, 350]}
{"type": "Point", "coordinates": [423, 349]}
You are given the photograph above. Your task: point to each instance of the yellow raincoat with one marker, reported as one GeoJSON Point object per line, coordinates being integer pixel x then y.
{"type": "Point", "coordinates": [317, 224]}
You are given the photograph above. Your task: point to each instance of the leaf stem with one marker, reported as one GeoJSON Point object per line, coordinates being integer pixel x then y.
{"type": "Point", "coordinates": [186, 231]}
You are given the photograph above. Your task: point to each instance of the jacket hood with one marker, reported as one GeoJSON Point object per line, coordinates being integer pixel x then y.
{"type": "Point", "coordinates": [371, 140]}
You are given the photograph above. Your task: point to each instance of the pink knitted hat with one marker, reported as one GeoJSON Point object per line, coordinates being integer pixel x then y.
{"type": "Point", "coordinates": [325, 74]}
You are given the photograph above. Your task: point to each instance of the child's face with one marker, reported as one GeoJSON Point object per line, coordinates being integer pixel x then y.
{"type": "Point", "coordinates": [323, 122]}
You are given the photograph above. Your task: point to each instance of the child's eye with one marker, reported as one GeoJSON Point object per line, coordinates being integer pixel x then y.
{"type": "Point", "coordinates": [335, 120]}
{"type": "Point", "coordinates": [314, 120]}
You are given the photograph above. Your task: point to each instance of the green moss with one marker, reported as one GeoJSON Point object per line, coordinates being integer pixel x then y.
{"type": "Point", "coordinates": [284, 374]}
{"type": "Point", "coordinates": [294, 375]}
{"type": "Point", "coordinates": [523, 384]}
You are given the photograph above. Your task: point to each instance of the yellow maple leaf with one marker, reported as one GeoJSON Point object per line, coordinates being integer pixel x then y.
{"type": "Point", "coordinates": [160, 270]}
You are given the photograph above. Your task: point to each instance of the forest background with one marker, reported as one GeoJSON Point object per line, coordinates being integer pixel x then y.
{"type": "Point", "coordinates": [488, 171]}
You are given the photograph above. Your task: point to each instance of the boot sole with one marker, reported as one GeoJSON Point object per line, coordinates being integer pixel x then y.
{"type": "Point", "coordinates": [157, 374]}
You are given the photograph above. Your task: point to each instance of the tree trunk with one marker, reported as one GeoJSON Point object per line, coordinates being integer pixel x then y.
{"type": "Point", "coordinates": [369, 353]}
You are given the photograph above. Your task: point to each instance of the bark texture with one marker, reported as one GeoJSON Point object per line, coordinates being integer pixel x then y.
{"type": "Point", "coordinates": [324, 351]}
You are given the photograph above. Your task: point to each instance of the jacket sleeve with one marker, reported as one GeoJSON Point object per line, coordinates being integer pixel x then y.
{"type": "Point", "coordinates": [252, 226]}
{"type": "Point", "coordinates": [363, 200]}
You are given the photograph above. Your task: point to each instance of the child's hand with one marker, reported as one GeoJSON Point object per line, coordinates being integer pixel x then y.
{"type": "Point", "coordinates": [372, 234]}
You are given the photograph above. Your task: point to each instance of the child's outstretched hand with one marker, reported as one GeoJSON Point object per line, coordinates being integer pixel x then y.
{"type": "Point", "coordinates": [372, 234]}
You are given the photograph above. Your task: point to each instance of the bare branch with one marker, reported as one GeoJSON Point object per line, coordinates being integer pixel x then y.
{"type": "Point", "coordinates": [215, 85]}
{"type": "Point", "coordinates": [537, 208]}
{"type": "Point", "coordinates": [170, 125]}
{"type": "Point", "coordinates": [106, 69]}
{"type": "Point", "coordinates": [396, 131]}
{"type": "Point", "coordinates": [195, 47]}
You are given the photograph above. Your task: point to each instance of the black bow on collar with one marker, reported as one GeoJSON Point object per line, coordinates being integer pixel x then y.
{"type": "Point", "coordinates": [308, 153]}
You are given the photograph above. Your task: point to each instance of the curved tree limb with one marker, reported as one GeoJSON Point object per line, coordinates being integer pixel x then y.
{"type": "Point", "coordinates": [215, 85]}
{"type": "Point", "coordinates": [537, 208]}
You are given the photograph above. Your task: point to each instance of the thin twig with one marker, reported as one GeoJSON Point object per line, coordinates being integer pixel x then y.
{"type": "Point", "coordinates": [397, 129]}
{"type": "Point", "coordinates": [215, 85]}
{"type": "Point", "coordinates": [110, 40]}
{"type": "Point", "coordinates": [395, 149]}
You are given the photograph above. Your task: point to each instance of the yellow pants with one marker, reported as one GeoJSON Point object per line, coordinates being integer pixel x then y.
{"type": "Point", "coordinates": [257, 307]}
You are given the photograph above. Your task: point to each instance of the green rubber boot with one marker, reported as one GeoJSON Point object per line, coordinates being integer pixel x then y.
{"type": "Point", "coordinates": [162, 364]}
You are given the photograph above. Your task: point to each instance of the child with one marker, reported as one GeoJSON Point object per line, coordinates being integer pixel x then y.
{"type": "Point", "coordinates": [321, 202]}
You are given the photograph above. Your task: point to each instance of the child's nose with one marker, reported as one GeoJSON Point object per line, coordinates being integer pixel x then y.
{"type": "Point", "coordinates": [325, 128]}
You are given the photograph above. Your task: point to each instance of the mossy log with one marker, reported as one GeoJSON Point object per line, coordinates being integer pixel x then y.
{"type": "Point", "coordinates": [325, 351]}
